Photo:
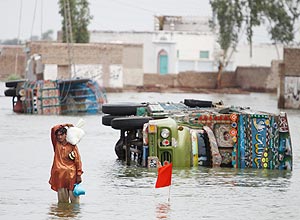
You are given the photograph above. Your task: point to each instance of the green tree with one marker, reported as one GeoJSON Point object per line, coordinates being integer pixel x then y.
{"type": "Point", "coordinates": [14, 41]}
{"type": "Point", "coordinates": [83, 21]}
{"type": "Point", "coordinates": [282, 16]}
{"type": "Point", "coordinates": [76, 18]}
{"type": "Point", "coordinates": [230, 18]}
{"type": "Point", "coordinates": [235, 16]}
{"type": "Point", "coordinates": [47, 35]}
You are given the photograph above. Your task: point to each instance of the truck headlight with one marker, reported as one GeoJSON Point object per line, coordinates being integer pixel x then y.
{"type": "Point", "coordinates": [165, 133]}
{"type": "Point", "coordinates": [165, 142]}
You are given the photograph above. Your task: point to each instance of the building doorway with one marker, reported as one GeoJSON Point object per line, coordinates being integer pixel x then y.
{"type": "Point", "coordinates": [163, 62]}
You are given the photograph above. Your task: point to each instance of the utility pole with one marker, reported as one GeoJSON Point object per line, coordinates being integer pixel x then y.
{"type": "Point", "coordinates": [69, 37]}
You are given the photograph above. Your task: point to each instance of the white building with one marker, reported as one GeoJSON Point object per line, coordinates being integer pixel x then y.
{"type": "Point", "coordinates": [262, 55]}
{"type": "Point", "coordinates": [180, 44]}
{"type": "Point", "coordinates": [177, 44]}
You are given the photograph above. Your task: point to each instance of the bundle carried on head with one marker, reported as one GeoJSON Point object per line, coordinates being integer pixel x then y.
{"type": "Point", "coordinates": [76, 133]}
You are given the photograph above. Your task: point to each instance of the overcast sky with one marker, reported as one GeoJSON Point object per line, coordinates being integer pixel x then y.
{"type": "Point", "coordinates": [26, 18]}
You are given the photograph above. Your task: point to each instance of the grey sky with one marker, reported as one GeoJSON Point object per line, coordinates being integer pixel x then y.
{"type": "Point", "coordinates": [108, 15]}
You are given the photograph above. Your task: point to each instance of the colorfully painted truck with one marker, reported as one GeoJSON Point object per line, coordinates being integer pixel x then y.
{"type": "Point", "coordinates": [199, 133]}
{"type": "Point", "coordinates": [56, 97]}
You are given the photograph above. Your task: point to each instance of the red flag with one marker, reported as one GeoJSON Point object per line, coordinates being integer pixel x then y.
{"type": "Point", "coordinates": [164, 176]}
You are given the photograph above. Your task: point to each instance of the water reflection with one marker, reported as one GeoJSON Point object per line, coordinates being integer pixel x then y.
{"type": "Point", "coordinates": [64, 211]}
{"type": "Point", "coordinates": [231, 177]}
{"type": "Point", "coordinates": [162, 210]}
{"type": "Point", "coordinates": [202, 176]}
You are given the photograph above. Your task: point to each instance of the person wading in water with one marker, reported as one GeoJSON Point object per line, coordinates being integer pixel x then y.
{"type": "Point", "coordinates": [67, 167]}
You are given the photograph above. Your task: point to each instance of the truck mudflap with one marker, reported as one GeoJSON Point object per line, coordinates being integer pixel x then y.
{"type": "Point", "coordinates": [194, 147]}
{"type": "Point", "coordinates": [216, 156]}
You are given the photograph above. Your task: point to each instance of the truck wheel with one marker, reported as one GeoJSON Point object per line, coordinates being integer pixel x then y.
{"type": "Point", "coordinates": [106, 119]}
{"type": "Point", "coordinates": [10, 92]}
{"type": "Point", "coordinates": [121, 108]}
{"type": "Point", "coordinates": [197, 103]}
{"type": "Point", "coordinates": [120, 152]}
{"type": "Point", "coordinates": [13, 83]}
{"type": "Point", "coordinates": [129, 123]}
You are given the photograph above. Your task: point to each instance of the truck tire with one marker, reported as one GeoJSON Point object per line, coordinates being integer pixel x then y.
{"type": "Point", "coordinates": [197, 103]}
{"type": "Point", "coordinates": [120, 152]}
{"type": "Point", "coordinates": [121, 108]}
{"type": "Point", "coordinates": [106, 119]}
{"type": "Point", "coordinates": [129, 123]}
{"type": "Point", "coordinates": [13, 83]}
{"type": "Point", "coordinates": [10, 92]}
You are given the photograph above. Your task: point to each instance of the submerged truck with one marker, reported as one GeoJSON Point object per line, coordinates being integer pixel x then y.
{"type": "Point", "coordinates": [56, 97]}
{"type": "Point", "coordinates": [199, 133]}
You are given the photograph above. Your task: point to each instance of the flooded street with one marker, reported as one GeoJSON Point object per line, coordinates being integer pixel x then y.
{"type": "Point", "coordinates": [114, 191]}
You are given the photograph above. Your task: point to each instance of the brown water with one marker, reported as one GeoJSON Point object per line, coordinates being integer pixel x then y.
{"type": "Point", "coordinates": [114, 191]}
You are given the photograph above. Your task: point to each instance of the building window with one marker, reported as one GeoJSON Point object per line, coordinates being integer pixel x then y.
{"type": "Point", "coordinates": [204, 54]}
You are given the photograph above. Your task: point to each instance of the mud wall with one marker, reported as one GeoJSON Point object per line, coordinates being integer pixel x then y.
{"type": "Point", "coordinates": [204, 80]}
{"type": "Point", "coordinates": [289, 94]}
{"type": "Point", "coordinates": [114, 65]}
{"type": "Point", "coordinates": [12, 61]}
{"type": "Point", "coordinates": [253, 78]}
{"type": "Point", "coordinates": [291, 57]}
{"type": "Point", "coordinates": [246, 78]}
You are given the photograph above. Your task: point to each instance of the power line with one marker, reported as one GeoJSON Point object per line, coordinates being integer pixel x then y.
{"type": "Point", "coordinates": [20, 19]}
{"type": "Point", "coordinates": [42, 18]}
{"type": "Point", "coordinates": [33, 20]}
{"type": "Point", "coordinates": [133, 6]}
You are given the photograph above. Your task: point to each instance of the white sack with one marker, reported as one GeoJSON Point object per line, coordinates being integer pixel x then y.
{"type": "Point", "coordinates": [75, 134]}
{"type": "Point", "coordinates": [80, 123]}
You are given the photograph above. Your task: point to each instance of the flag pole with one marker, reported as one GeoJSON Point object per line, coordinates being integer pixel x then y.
{"type": "Point", "coordinates": [169, 193]}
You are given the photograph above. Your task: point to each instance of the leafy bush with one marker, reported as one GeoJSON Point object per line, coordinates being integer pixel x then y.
{"type": "Point", "coordinates": [13, 77]}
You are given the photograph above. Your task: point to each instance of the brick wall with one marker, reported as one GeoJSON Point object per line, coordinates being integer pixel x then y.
{"type": "Point", "coordinates": [57, 53]}
{"type": "Point", "coordinates": [132, 59]}
{"type": "Point", "coordinates": [289, 90]}
{"type": "Point", "coordinates": [247, 78]}
{"type": "Point", "coordinates": [156, 80]}
{"type": "Point", "coordinates": [274, 78]}
{"type": "Point", "coordinates": [253, 78]}
{"type": "Point", "coordinates": [291, 58]}
{"type": "Point", "coordinates": [206, 80]}
{"type": "Point", "coordinates": [128, 56]}
{"type": "Point", "coordinates": [12, 61]}
{"type": "Point", "coordinates": [197, 80]}
{"type": "Point", "coordinates": [229, 80]}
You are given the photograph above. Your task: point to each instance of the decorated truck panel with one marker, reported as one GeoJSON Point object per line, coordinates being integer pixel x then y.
{"type": "Point", "coordinates": [211, 136]}
{"type": "Point", "coordinates": [56, 96]}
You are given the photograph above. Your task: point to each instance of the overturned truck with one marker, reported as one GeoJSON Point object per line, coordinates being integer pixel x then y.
{"type": "Point", "coordinates": [199, 133]}
{"type": "Point", "coordinates": [56, 97]}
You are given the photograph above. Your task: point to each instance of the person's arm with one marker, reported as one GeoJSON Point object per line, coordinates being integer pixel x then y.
{"type": "Point", "coordinates": [53, 137]}
{"type": "Point", "coordinates": [78, 165]}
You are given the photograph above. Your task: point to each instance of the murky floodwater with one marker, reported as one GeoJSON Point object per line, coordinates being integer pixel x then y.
{"type": "Point", "coordinates": [114, 191]}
